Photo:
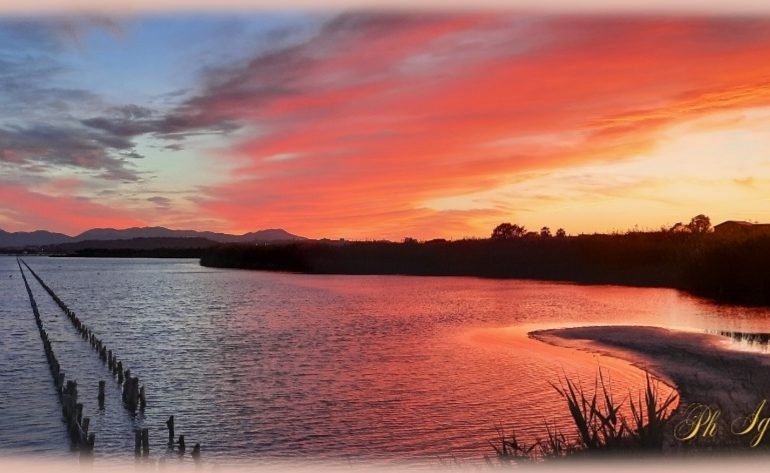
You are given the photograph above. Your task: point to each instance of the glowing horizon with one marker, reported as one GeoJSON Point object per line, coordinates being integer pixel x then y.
{"type": "Point", "coordinates": [388, 125]}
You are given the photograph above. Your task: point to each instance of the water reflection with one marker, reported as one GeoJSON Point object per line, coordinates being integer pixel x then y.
{"type": "Point", "coordinates": [257, 365]}
{"type": "Point", "coordinates": [749, 340]}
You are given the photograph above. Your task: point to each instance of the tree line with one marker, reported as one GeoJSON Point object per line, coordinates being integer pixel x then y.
{"type": "Point", "coordinates": [700, 224]}
{"type": "Point", "coordinates": [725, 268]}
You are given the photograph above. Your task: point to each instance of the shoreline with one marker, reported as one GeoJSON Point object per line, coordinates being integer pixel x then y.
{"type": "Point", "coordinates": [699, 366]}
{"type": "Point", "coordinates": [726, 270]}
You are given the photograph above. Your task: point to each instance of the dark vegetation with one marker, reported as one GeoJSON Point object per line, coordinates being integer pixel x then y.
{"type": "Point", "coordinates": [164, 247]}
{"type": "Point", "coordinates": [726, 268]}
{"type": "Point", "coordinates": [159, 245]}
{"type": "Point", "coordinates": [602, 428]}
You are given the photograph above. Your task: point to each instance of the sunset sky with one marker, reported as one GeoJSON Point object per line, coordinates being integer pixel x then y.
{"type": "Point", "coordinates": [382, 125]}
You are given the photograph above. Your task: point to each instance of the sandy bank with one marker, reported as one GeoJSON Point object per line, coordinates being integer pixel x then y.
{"type": "Point", "coordinates": [701, 367]}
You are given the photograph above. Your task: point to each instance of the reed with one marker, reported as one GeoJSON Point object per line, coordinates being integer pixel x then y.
{"type": "Point", "coordinates": [601, 427]}
{"type": "Point", "coordinates": [650, 417]}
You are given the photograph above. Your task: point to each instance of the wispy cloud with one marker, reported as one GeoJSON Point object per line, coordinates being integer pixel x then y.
{"type": "Point", "coordinates": [359, 128]}
{"type": "Point", "coordinates": [44, 147]}
{"type": "Point", "coordinates": [160, 201]}
{"type": "Point", "coordinates": [391, 111]}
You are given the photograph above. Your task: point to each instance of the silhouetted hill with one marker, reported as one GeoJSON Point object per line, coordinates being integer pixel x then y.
{"type": "Point", "coordinates": [36, 238]}
{"type": "Point", "coordinates": [44, 238]}
{"type": "Point", "coordinates": [161, 232]}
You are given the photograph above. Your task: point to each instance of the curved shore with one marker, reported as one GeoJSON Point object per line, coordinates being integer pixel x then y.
{"type": "Point", "coordinates": [700, 366]}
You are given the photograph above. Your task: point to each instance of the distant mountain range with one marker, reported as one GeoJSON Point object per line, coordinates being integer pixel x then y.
{"type": "Point", "coordinates": [45, 238]}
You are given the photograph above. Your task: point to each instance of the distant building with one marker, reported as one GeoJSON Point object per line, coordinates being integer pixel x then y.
{"type": "Point", "coordinates": [737, 227]}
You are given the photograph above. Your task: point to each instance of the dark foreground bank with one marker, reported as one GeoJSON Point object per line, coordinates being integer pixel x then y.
{"type": "Point", "coordinates": [731, 270]}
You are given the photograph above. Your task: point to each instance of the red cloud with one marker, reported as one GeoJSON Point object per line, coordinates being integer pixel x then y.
{"type": "Point", "coordinates": [359, 128]}
{"type": "Point", "coordinates": [376, 120]}
{"type": "Point", "coordinates": [64, 213]}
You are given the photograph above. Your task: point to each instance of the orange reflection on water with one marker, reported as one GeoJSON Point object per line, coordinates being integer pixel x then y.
{"type": "Point", "coordinates": [580, 362]}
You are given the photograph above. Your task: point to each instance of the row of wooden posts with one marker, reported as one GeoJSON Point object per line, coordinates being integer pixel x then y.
{"type": "Point", "coordinates": [133, 394]}
{"type": "Point", "coordinates": [72, 410]}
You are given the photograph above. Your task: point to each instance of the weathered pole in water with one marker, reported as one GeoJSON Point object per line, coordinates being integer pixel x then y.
{"type": "Point", "coordinates": [170, 426]}
{"type": "Point", "coordinates": [101, 394]}
{"type": "Point", "coordinates": [142, 398]}
{"type": "Point", "coordinates": [131, 393]}
{"type": "Point", "coordinates": [146, 442]}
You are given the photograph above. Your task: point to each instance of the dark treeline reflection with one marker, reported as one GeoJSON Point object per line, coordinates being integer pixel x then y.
{"type": "Point", "coordinates": [749, 338]}
{"type": "Point", "coordinates": [728, 269]}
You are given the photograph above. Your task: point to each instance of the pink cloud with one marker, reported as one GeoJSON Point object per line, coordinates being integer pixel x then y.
{"type": "Point", "coordinates": [383, 118]}
{"type": "Point", "coordinates": [357, 129]}
{"type": "Point", "coordinates": [63, 212]}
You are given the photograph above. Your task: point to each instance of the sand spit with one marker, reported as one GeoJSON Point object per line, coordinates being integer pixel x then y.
{"type": "Point", "coordinates": [700, 366]}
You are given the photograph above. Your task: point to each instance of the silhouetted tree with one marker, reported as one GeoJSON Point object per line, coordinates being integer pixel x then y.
{"type": "Point", "coordinates": [679, 227]}
{"type": "Point", "coordinates": [560, 233]}
{"type": "Point", "coordinates": [506, 231]}
{"type": "Point", "coordinates": [545, 232]}
{"type": "Point", "coordinates": [519, 231]}
{"type": "Point", "coordinates": [699, 224]}
{"type": "Point", "coordinates": [410, 241]}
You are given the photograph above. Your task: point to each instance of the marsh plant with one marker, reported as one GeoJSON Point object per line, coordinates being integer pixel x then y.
{"type": "Point", "coordinates": [601, 426]}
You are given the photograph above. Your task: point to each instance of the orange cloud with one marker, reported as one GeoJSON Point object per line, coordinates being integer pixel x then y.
{"type": "Point", "coordinates": [378, 118]}
{"type": "Point", "coordinates": [359, 131]}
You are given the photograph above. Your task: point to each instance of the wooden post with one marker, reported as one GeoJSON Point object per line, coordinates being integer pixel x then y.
{"type": "Point", "coordinates": [170, 426]}
{"type": "Point", "coordinates": [85, 424]}
{"type": "Point", "coordinates": [196, 453]}
{"type": "Point", "coordinates": [142, 399]}
{"type": "Point", "coordinates": [120, 372]}
{"type": "Point", "coordinates": [146, 442]}
{"type": "Point", "coordinates": [131, 392]}
{"type": "Point", "coordinates": [101, 394]}
{"type": "Point", "coordinates": [137, 441]}
{"type": "Point", "coordinates": [65, 401]}
{"type": "Point", "coordinates": [127, 389]}
{"type": "Point", "coordinates": [126, 384]}
{"type": "Point", "coordinates": [181, 443]}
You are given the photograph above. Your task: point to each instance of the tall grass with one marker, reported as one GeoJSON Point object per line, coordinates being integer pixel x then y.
{"type": "Point", "coordinates": [601, 427]}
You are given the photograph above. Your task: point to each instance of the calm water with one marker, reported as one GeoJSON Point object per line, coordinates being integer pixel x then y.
{"type": "Point", "coordinates": [258, 365]}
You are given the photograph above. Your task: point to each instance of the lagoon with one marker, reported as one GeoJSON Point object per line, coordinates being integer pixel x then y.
{"type": "Point", "coordinates": [274, 366]}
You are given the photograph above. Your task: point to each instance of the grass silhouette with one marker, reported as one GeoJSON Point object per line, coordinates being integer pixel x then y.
{"type": "Point", "coordinates": [601, 428]}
